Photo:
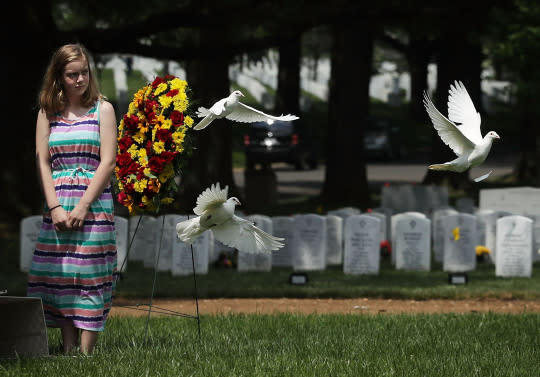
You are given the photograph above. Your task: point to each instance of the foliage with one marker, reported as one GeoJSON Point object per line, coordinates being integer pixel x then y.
{"type": "Point", "coordinates": [302, 345]}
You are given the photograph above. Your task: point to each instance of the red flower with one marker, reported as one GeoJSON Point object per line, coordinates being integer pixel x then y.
{"type": "Point", "coordinates": [122, 198]}
{"type": "Point", "coordinates": [131, 122]}
{"type": "Point", "coordinates": [172, 93]}
{"type": "Point", "coordinates": [177, 118]}
{"type": "Point", "coordinates": [167, 157]}
{"type": "Point", "coordinates": [163, 135]}
{"type": "Point", "coordinates": [123, 159]}
{"type": "Point", "coordinates": [124, 143]}
{"type": "Point", "coordinates": [158, 80]}
{"type": "Point", "coordinates": [156, 164]}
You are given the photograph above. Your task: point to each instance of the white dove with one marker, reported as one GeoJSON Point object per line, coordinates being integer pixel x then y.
{"type": "Point", "coordinates": [216, 212]}
{"type": "Point", "coordinates": [460, 131]}
{"type": "Point", "coordinates": [232, 109]}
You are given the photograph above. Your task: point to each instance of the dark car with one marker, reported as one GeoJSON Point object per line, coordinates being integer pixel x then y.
{"type": "Point", "coordinates": [276, 141]}
{"type": "Point", "coordinates": [381, 139]}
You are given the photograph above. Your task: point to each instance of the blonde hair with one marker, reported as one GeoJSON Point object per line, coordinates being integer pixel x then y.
{"type": "Point", "coordinates": [51, 96]}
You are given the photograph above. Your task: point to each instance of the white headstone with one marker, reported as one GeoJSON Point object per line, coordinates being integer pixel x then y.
{"type": "Point", "coordinates": [309, 242]}
{"type": "Point", "coordinates": [388, 214]}
{"type": "Point", "coordinates": [182, 260]}
{"type": "Point", "coordinates": [362, 253]}
{"type": "Point", "coordinates": [151, 232]}
{"type": "Point", "coordinates": [169, 222]}
{"type": "Point", "coordinates": [393, 221]}
{"type": "Point", "coordinates": [514, 246]}
{"type": "Point", "coordinates": [344, 212]}
{"type": "Point", "coordinates": [518, 200]}
{"type": "Point", "coordinates": [334, 240]}
{"type": "Point", "coordinates": [382, 218]}
{"type": "Point", "coordinates": [536, 237]}
{"type": "Point", "coordinates": [283, 227]}
{"type": "Point", "coordinates": [135, 241]}
{"type": "Point", "coordinates": [487, 220]}
{"type": "Point", "coordinates": [460, 241]}
{"type": "Point", "coordinates": [29, 233]}
{"type": "Point", "coordinates": [413, 244]}
{"type": "Point", "coordinates": [121, 225]}
{"type": "Point", "coordinates": [256, 261]}
{"type": "Point", "coordinates": [438, 231]}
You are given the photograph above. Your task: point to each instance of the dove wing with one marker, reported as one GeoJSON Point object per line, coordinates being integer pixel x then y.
{"type": "Point", "coordinates": [218, 107]}
{"type": "Point", "coordinates": [461, 110]}
{"type": "Point", "coordinates": [247, 114]}
{"type": "Point", "coordinates": [450, 134]}
{"type": "Point", "coordinates": [245, 236]}
{"type": "Point", "coordinates": [211, 198]}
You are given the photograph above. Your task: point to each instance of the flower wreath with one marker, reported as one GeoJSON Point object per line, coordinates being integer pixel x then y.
{"type": "Point", "coordinates": [153, 145]}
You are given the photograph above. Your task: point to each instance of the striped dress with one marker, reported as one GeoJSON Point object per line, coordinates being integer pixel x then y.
{"type": "Point", "coordinates": [73, 272]}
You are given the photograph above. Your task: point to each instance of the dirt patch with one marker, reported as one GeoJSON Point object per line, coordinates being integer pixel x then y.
{"type": "Point", "coordinates": [321, 306]}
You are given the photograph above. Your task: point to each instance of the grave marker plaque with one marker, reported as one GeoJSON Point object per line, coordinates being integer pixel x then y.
{"type": "Point", "coordinates": [309, 242]}
{"type": "Point", "coordinates": [362, 245]}
{"type": "Point", "coordinates": [514, 247]}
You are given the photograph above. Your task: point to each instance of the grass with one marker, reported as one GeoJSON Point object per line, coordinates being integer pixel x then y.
{"type": "Point", "coordinates": [303, 345]}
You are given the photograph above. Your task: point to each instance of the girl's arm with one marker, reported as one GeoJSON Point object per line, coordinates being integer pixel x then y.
{"type": "Point", "coordinates": [43, 164]}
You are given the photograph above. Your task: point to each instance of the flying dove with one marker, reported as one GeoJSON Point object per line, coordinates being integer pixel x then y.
{"type": "Point", "coordinates": [216, 213]}
{"type": "Point", "coordinates": [232, 109]}
{"type": "Point", "coordinates": [460, 131]}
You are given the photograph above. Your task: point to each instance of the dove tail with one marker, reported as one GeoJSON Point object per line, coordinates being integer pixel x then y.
{"type": "Point", "coordinates": [203, 123]}
{"type": "Point", "coordinates": [190, 229]}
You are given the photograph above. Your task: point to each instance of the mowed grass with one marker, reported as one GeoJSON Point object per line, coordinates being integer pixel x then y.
{"type": "Point", "coordinates": [303, 345]}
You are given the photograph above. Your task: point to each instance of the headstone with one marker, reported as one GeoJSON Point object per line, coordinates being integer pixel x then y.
{"type": "Point", "coordinates": [536, 237]}
{"type": "Point", "coordinates": [182, 259]}
{"type": "Point", "coordinates": [465, 205]}
{"type": "Point", "coordinates": [382, 218]}
{"type": "Point", "coordinates": [24, 333]}
{"type": "Point", "coordinates": [518, 200]}
{"type": "Point", "coordinates": [256, 261]}
{"type": "Point", "coordinates": [121, 224]}
{"type": "Point", "coordinates": [344, 212]}
{"type": "Point", "coordinates": [438, 232]}
{"type": "Point", "coordinates": [393, 221]}
{"type": "Point", "coordinates": [309, 242]}
{"type": "Point", "coordinates": [283, 227]}
{"type": "Point", "coordinates": [460, 241]}
{"type": "Point", "coordinates": [413, 244]}
{"type": "Point", "coordinates": [487, 220]}
{"type": "Point", "coordinates": [362, 245]}
{"type": "Point", "coordinates": [136, 237]}
{"type": "Point", "coordinates": [334, 240]}
{"type": "Point", "coordinates": [29, 233]}
{"type": "Point", "coordinates": [151, 232]}
{"type": "Point", "coordinates": [169, 236]}
{"type": "Point", "coordinates": [514, 246]}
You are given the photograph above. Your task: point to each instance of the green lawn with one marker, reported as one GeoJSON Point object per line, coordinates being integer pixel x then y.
{"type": "Point", "coordinates": [303, 345]}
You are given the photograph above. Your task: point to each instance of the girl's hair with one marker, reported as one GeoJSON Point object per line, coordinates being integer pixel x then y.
{"type": "Point", "coordinates": [52, 98]}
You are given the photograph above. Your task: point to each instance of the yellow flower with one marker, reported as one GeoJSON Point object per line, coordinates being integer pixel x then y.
{"type": "Point", "coordinates": [147, 171]}
{"type": "Point", "coordinates": [481, 250]}
{"type": "Point", "coordinates": [159, 147]}
{"type": "Point", "coordinates": [139, 186]}
{"type": "Point", "coordinates": [139, 137]}
{"type": "Point", "coordinates": [154, 185]}
{"type": "Point", "coordinates": [166, 124]}
{"type": "Point", "coordinates": [176, 83]}
{"type": "Point", "coordinates": [166, 173]}
{"type": "Point", "coordinates": [160, 88]}
{"type": "Point", "coordinates": [455, 232]}
{"type": "Point", "coordinates": [167, 200]}
{"type": "Point", "coordinates": [133, 151]}
{"type": "Point", "coordinates": [143, 158]}
{"type": "Point", "coordinates": [165, 101]}
{"type": "Point", "coordinates": [178, 137]}
{"type": "Point", "coordinates": [188, 121]}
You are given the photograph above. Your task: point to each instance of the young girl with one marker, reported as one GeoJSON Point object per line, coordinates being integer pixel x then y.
{"type": "Point", "coordinates": [74, 263]}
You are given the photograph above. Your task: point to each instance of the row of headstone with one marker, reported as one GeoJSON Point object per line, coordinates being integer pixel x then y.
{"type": "Point", "coordinates": [413, 198]}
{"type": "Point", "coordinates": [314, 241]}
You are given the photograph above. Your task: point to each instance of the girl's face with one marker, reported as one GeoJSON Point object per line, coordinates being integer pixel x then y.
{"type": "Point", "coordinates": [75, 77]}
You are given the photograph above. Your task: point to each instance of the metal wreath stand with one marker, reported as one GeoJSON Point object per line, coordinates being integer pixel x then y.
{"type": "Point", "coordinates": [150, 305]}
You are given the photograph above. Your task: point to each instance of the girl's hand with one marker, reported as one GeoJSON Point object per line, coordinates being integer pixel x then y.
{"type": "Point", "coordinates": [60, 219]}
{"type": "Point", "coordinates": [77, 216]}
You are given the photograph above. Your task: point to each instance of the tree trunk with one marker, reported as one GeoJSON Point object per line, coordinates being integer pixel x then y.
{"type": "Point", "coordinates": [346, 180]}
{"type": "Point", "coordinates": [24, 75]}
{"type": "Point", "coordinates": [288, 88]}
{"type": "Point", "coordinates": [452, 66]}
{"type": "Point", "coordinates": [212, 159]}
{"type": "Point", "coordinates": [418, 56]}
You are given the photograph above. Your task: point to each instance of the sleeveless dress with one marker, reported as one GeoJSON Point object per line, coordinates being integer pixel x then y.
{"type": "Point", "coordinates": [74, 272]}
